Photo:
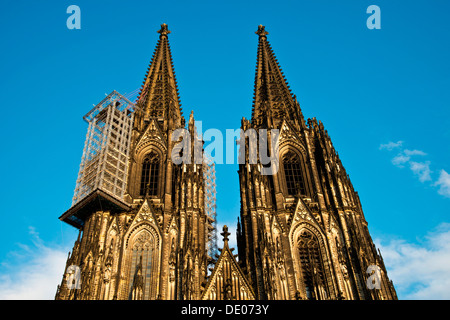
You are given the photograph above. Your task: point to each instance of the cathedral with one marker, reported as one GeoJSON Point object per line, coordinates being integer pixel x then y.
{"type": "Point", "coordinates": [145, 231]}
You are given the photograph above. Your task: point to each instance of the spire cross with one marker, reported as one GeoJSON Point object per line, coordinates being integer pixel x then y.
{"type": "Point", "coordinates": [261, 32]}
{"type": "Point", "coordinates": [164, 31]}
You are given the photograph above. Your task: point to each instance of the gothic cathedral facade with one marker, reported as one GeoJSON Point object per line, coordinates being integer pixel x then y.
{"type": "Point", "coordinates": [301, 233]}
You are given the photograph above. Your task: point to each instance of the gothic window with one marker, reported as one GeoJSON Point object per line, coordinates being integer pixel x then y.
{"type": "Point", "coordinates": [175, 173]}
{"type": "Point", "coordinates": [293, 174]}
{"type": "Point", "coordinates": [141, 267]}
{"type": "Point", "coordinates": [150, 175]}
{"type": "Point", "coordinates": [311, 266]}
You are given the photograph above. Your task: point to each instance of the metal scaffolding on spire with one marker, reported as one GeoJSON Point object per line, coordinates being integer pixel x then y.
{"type": "Point", "coordinates": [104, 164]}
{"type": "Point", "coordinates": [209, 175]}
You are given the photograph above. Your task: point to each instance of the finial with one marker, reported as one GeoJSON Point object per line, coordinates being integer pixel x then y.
{"type": "Point", "coordinates": [164, 30]}
{"type": "Point", "coordinates": [225, 234]}
{"type": "Point", "coordinates": [191, 117]}
{"type": "Point", "coordinates": [261, 32]}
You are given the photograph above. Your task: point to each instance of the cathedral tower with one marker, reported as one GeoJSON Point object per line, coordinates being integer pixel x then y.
{"type": "Point", "coordinates": [143, 217]}
{"type": "Point", "coordinates": [302, 232]}
{"type": "Point", "coordinates": [142, 220]}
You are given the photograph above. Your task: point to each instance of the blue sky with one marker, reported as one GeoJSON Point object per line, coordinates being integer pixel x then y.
{"type": "Point", "coordinates": [382, 95]}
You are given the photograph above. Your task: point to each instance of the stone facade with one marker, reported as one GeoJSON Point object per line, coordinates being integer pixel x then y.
{"type": "Point", "coordinates": [301, 233]}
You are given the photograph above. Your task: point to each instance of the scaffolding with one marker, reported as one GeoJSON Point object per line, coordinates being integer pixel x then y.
{"type": "Point", "coordinates": [209, 175]}
{"type": "Point", "coordinates": [104, 163]}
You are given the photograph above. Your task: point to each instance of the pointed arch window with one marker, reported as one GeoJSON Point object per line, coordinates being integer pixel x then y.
{"type": "Point", "coordinates": [312, 266]}
{"type": "Point", "coordinates": [175, 174]}
{"type": "Point", "coordinates": [293, 174]}
{"type": "Point", "coordinates": [150, 175]}
{"type": "Point", "coordinates": [141, 264]}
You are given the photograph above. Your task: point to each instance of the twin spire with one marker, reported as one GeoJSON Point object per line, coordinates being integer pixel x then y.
{"type": "Point", "coordinates": [273, 99]}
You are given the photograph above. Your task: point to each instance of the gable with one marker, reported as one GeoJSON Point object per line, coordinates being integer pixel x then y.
{"type": "Point", "coordinates": [144, 217]}
{"type": "Point", "coordinates": [151, 135]}
{"type": "Point", "coordinates": [227, 282]}
{"type": "Point", "coordinates": [289, 134]}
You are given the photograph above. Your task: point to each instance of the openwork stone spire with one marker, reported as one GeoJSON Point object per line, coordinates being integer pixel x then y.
{"type": "Point", "coordinates": [273, 99]}
{"type": "Point", "coordinates": [159, 93]}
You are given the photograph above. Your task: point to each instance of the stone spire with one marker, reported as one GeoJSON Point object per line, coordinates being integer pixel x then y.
{"type": "Point", "coordinates": [273, 100]}
{"type": "Point", "coordinates": [159, 97]}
